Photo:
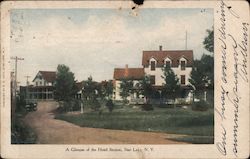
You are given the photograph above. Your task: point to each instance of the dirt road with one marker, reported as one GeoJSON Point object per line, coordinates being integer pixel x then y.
{"type": "Point", "coordinates": [52, 131]}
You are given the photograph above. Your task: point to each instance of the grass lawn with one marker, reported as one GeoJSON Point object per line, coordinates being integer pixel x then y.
{"type": "Point", "coordinates": [199, 126]}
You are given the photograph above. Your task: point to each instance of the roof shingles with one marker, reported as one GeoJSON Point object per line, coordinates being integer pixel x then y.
{"type": "Point", "coordinates": [130, 73]}
{"type": "Point", "coordinates": [49, 76]}
{"type": "Point", "coordinates": [174, 55]}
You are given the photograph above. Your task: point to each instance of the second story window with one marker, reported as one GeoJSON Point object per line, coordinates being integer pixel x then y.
{"type": "Point", "coordinates": [183, 79]}
{"type": "Point", "coordinates": [183, 65]}
{"type": "Point", "coordinates": [152, 64]}
{"type": "Point", "coordinates": [152, 80]}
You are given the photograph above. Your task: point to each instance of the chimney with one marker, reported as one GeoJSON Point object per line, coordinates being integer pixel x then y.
{"type": "Point", "coordinates": [160, 47]}
{"type": "Point", "coordinates": [126, 70]}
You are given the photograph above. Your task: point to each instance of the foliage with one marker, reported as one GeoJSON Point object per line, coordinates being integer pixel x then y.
{"type": "Point", "coordinates": [197, 76]}
{"type": "Point", "coordinates": [21, 133]}
{"type": "Point", "coordinates": [126, 88]}
{"type": "Point", "coordinates": [65, 85]}
{"type": "Point", "coordinates": [91, 92]}
{"type": "Point", "coordinates": [107, 89]}
{"type": "Point", "coordinates": [171, 86]}
{"type": "Point", "coordinates": [94, 104]}
{"type": "Point", "coordinates": [208, 69]}
{"type": "Point", "coordinates": [76, 105]}
{"type": "Point", "coordinates": [20, 105]}
{"type": "Point", "coordinates": [209, 41]}
{"type": "Point", "coordinates": [146, 87]}
{"type": "Point", "coordinates": [147, 107]}
{"type": "Point", "coordinates": [90, 89]}
{"type": "Point", "coordinates": [202, 75]}
{"type": "Point", "coordinates": [110, 105]}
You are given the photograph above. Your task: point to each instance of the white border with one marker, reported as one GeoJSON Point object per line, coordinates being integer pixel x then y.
{"type": "Point", "coordinates": [160, 151]}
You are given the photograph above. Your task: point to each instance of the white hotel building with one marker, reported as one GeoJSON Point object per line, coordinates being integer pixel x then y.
{"type": "Point", "coordinates": [181, 62]}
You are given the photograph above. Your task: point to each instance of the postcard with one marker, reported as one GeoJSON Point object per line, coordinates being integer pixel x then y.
{"type": "Point", "coordinates": [124, 79]}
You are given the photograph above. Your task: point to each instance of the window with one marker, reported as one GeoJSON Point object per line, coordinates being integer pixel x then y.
{"type": "Point", "coordinates": [183, 65]}
{"type": "Point", "coordinates": [183, 79]}
{"type": "Point", "coordinates": [36, 83]}
{"type": "Point", "coordinates": [152, 63]}
{"type": "Point", "coordinates": [40, 83]}
{"type": "Point", "coordinates": [168, 64]}
{"type": "Point", "coordinates": [152, 80]}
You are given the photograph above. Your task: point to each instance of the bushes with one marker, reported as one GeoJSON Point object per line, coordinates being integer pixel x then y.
{"type": "Point", "coordinates": [147, 107]}
{"type": "Point", "coordinates": [76, 105]}
{"type": "Point", "coordinates": [200, 106]}
{"type": "Point", "coordinates": [94, 104]}
{"type": "Point", "coordinates": [110, 105]}
{"type": "Point", "coordinates": [21, 133]}
{"type": "Point", "coordinates": [165, 105]}
{"type": "Point", "coordinates": [66, 106]}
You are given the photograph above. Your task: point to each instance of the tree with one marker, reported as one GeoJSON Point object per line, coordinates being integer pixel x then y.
{"type": "Point", "coordinates": [208, 69]}
{"type": "Point", "coordinates": [126, 88]}
{"type": "Point", "coordinates": [110, 105]}
{"type": "Point", "coordinates": [197, 78]}
{"type": "Point", "coordinates": [146, 87]}
{"type": "Point", "coordinates": [202, 75]}
{"type": "Point", "coordinates": [90, 93]}
{"type": "Point", "coordinates": [107, 89]}
{"type": "Point", "coordinates": [209, 41]}
{"type": "Point", "coordinates": [171, 85]}
{"type": "Point", "coordinates": [65, 85]}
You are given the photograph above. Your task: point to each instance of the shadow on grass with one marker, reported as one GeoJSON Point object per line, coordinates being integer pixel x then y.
{"type": "Point", "coordinates": [195, 139]}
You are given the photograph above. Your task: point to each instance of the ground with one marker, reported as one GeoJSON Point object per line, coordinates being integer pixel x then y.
{"type": "Point", "coordinates": [52, 131]}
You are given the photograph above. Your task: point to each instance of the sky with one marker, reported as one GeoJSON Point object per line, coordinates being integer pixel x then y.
{"type": "Point", "coordinates": [95, 41]}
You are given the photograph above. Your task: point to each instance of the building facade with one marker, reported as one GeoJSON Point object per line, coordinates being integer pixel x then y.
{"type": "Point", "coordinates": [135, 74]}
{"type": "Point", "coordinates": [42, 88]}
{"type": "Point", "coordinates": [180, 61]}
{"type": "Point", "coordinates": [153, 62]}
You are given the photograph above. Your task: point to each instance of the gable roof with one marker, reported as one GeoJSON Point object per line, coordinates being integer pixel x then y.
{"type": "Point", "coordinates": [174, 55]}
{"type": "Point", "coordinates": [79, 85]}
{"type": "Point", "coordinates": [130, 73]}
{"type": "Point", "coordinates": [49, 76]}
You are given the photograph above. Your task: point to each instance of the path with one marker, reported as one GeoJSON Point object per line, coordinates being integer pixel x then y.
{"type": "Point", "coordinates": [52, 131]}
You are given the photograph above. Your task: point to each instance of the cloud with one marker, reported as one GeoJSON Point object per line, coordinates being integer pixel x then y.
{"type": "Point", "coordinates": [58, 30]}
{"type": "Point", "coordinates": [97, 45]}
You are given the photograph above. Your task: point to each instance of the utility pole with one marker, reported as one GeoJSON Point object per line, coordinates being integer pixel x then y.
{"type": "Point", "coordinates": [15, 84]}
{"type": "Point", "coordinates": [16, 60]}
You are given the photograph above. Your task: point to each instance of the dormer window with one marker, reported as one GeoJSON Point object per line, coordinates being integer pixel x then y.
{"type": "Point", "coordinates": [168, 64]}
{"type": "Point", "coordinates": [152, 65]}
{"type": "Point", "coordinates": [183, 65]}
